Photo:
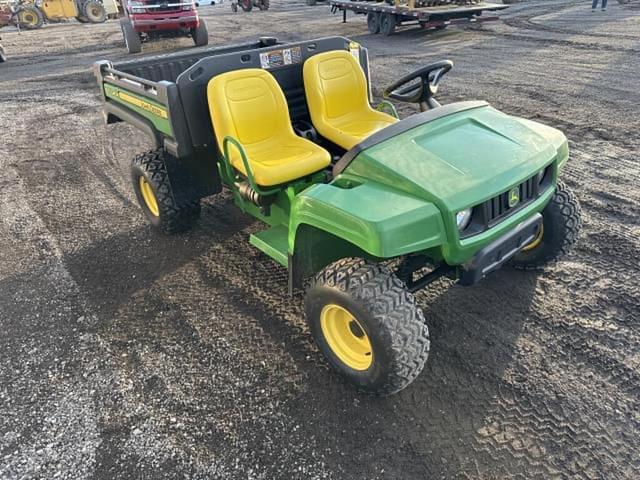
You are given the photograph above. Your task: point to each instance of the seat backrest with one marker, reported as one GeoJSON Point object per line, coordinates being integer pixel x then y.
{"type": "Point", "coordinates": [335, 85]}
{"type": "Point", "coordinates": [249, 105]}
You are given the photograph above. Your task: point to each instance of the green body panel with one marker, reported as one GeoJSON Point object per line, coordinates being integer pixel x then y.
{"type": "Point", "coordinates": [273, 242]}
{"type": "Point", "coordinates": [401, 196]}
{"type": "Point", "coordinates": [155, 112]}
{"type": "Point", "coordinates": [381, 221]}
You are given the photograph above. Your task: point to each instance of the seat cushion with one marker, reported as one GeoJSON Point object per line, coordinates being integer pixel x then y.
{"type": "Point", "coordinates": [350, 130]}
{"type": "Point", "coordinates": [249, 106]}
{"type": "Point", "coordinates": [338, 99]}
{"type": "Point", "coordinates": [275, 164]}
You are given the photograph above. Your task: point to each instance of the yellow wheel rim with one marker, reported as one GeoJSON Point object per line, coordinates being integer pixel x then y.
{"type": "Point", "coordinates": [149, 197]}
{"type": "Point", "coordinates": [536, 241]}
{"type": "Point", "coordinates": [346, 337]}
{"type": "Point", "coordinates": [28, 18]}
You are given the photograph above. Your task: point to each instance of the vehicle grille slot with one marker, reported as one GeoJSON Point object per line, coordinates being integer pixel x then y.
{"type": "Point", "coordinates": [497, 208]}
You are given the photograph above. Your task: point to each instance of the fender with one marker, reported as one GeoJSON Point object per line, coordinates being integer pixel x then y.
{"type": "Point", "coordinates": [347, 218]}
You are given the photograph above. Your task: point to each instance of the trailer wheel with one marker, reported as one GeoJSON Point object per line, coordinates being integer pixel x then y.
{"type": "Point", "coordinates": [94, 11]}
{"type": "Point", "coordinates": [29, 17]}
{"type": "Point", "coordinates": [373, 22]}
{"type": "Point", "coordinates": [200, 34]}
{"type": "Point", "coordinates": [155, 194]}
{"type": "Point", "coordinates": [387, 24]}
{"type": "Point", "coordinates": [246, 5]}
{"type": "Point", "coordinates": [131, 37]}
{"type": "Point", "coordinates": [367, 325]}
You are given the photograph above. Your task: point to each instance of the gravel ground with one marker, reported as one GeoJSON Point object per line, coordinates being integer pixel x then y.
{"type": "Point", "coordinates": [125, 354]}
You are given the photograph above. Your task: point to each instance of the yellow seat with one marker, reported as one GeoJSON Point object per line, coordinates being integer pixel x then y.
{"type": "Point", "coordinates": [336, 91]}
{"type": "Point", "coordinates": [249, 106]}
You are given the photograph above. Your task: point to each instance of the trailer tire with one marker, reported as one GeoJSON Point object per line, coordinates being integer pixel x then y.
{"type": "Point", "coordinates": [246, 5]}
{"type": "Point", "coordinates": [200, 34]}
{"type": "Point", "coordinates": [366, 301]}
{"type": "Point", "coordinates": [29, 17]}
{"type": "Point", "coordinates": [131, 38]}
{"type": "Point", "coordinates": [94, 11]}
{"type": "Point", "coordinates": [155, 194]}
{"type": "Point", "coordinates": [561, 223]}
{"type": "Point", "coordinates": [387, 24]}
{"type": "Point", "coordinates": [373, 22]}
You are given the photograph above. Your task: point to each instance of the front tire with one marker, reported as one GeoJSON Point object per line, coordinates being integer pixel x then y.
{"type": "Point", "coordinates": [200, 34]}
{"type": "Point", "coordinates": [30, 17]}
{"type": "Point", "coordinates": [367, 325]}
{"type": "Point", "coordinates": [131, 38]}
{"type": "Point", "coordinates": [561, 223]}
{"type": "Point", "coordinates": [155, 194]}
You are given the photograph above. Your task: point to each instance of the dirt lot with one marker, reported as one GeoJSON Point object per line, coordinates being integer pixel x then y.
{"type": "Point", "coordinates": [126, 354]}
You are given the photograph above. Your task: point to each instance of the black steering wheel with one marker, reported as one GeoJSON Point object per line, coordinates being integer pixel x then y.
{"type": "Point", "coordinates": [423, 91]}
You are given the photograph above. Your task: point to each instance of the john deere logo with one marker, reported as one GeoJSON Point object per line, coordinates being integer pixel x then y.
{"type": "Point", "coordinates": [514, 197]}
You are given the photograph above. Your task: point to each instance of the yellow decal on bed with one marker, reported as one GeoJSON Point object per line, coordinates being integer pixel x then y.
{"type": "Point", "coordinates": [149, 107]}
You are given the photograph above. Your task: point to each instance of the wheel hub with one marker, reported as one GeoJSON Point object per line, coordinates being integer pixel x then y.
{"type": "Point", "coordinates": [346, 337]}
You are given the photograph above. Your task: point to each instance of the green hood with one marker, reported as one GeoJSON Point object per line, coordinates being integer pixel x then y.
{"type": "Point", "coordinates": [461, 159]}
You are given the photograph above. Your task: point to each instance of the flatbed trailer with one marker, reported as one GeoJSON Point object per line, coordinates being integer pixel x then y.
{"type": "Point", "coordinates": [384, 18]}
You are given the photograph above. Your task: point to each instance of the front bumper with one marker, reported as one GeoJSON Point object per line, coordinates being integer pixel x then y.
{"type": "Point", "coordinates": [169, 22]}
{"type": "Point", "coordinates": [500, 251]}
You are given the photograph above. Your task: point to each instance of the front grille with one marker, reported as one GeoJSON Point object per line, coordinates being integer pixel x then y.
{"type": "Point", "coordinates": [493, 211]}
{"type": "Point", "coordinates": [498, 207]}
{"type": "Point", "coordinates": [163, 6]}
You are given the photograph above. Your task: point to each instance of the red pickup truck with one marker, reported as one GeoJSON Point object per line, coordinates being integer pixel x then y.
{"type": "Point", "coordinates": [149, 19]}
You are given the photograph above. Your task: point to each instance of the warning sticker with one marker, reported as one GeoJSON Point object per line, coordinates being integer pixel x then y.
{"type": "Point", "coordinates": [281, 58]}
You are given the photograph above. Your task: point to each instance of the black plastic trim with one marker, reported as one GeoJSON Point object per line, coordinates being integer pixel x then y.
{"type": "Point", "coordinates": [500, 251]}
{"type": "Point", "coordinates": [138, 121]}
{"type": "Point", "coordinates": [403, 126]}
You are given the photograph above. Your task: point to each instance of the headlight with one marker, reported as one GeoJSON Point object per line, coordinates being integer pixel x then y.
{"type": "Point", "coordinates": [136, 7]}
{"type": "Point", "coordinates": [463, 218]}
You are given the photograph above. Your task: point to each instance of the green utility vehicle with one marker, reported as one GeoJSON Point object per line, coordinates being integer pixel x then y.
{"type": "Point", "coordinates": [362, 208]}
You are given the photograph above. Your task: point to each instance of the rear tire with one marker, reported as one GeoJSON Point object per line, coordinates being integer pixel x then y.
{"type": "Point", "coordinates": [200, 34]}
{"type": "Point", "coordinates": [131, 38]}
{"type": "Point", "coordinates": [367, 325]}
{"type": "Point", "coordinates": [94, 11]}
{"type": "Point", "coordinates": [387, 24]}
{"type": "Point", "coordinates": [373, 22]}
{"type": "Point", "coordinates": [29, 17]}
{"type": "Point", "coordinates": [561, 223]}
{"type": "Point", "coordinates": [158, 204]}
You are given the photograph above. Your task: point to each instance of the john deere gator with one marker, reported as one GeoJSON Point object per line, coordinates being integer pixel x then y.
{"type": "Point", "coordinates": [361, 207]}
